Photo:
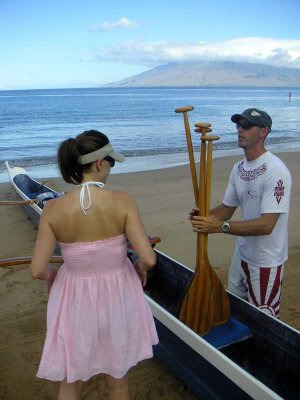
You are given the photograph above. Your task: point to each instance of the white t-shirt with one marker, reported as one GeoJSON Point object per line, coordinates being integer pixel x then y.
{"type": "Point", "coordinates": [261, 186]}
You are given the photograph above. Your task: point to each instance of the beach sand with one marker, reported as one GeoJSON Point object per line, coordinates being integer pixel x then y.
{"type": "Point", "coordinates": [164, 197]}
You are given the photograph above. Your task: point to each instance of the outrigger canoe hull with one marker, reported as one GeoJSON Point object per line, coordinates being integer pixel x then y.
{"type": "Point", "coordinates": [265, 366]}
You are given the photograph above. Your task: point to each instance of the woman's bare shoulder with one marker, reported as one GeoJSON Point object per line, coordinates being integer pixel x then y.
{"type": "Point", "coordinates": [55, 205]}
{"type": "Point", "coordinates": [123, 197]}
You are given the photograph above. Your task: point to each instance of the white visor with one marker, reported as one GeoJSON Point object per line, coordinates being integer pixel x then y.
{"type": "Point", "coordinates": [105, 151]}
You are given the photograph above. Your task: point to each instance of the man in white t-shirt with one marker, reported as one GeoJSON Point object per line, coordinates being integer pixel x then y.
{"type": "Point", "coordinates": [260, 184]}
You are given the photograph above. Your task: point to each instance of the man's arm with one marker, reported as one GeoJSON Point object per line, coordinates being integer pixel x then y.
{"type": "Point", "coordinates": [263, 225]}
{"type": "Point", "coordinates": [223, 212]}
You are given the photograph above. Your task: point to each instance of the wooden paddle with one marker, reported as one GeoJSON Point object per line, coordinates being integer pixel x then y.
{"type": "Point", "coordinates": [198, 307]}
{"type": "Point", "coordinates": [9, 262]}
{"type": "Point", "coordinates": [205, 302]}
{"type": "Point", "coordinates": [221, 305]}
{"type": "Point", "coordinates": [18, 202]}
{"type": "Point", "coordinates": [184, 111]}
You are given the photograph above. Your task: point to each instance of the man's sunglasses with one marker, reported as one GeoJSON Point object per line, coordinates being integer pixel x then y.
{"type": "Point", "coordinates": [246, 125]}
{"type": "Point", "coordinates": [111, 160]}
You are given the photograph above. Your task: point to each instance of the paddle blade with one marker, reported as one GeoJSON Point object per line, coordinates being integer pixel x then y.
{"type": "Point", "coordinates": [205, 303]}
{"type": "Point", "coordinates": [198, 306]}
{"type": "Point", "coordinates": [222, 308]}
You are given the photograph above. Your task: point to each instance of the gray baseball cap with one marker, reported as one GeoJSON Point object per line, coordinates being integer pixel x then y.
{"type": "Point", "coordinates": [255, 116]}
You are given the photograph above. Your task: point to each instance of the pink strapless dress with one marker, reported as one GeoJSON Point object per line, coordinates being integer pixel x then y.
{"type": "Point", "coordinates": [98, 320]}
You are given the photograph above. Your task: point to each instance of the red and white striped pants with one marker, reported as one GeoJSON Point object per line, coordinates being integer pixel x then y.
{"type": "Point", "coordinates": [261, 286]}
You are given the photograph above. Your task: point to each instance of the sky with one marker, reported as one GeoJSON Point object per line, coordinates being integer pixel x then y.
{"type": "Point", "coordinates": [69, 44]}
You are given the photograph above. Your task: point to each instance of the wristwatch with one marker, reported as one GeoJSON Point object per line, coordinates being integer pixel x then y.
{"type": "Point", "coordinates": [225, 227]}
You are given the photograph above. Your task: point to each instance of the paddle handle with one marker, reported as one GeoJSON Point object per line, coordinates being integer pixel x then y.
{"type": "Point", "coordinates": [184, 110]}
{"type": "Point", "coordinates": [191, 155]}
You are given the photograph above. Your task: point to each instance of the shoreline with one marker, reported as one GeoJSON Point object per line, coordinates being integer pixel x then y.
{"type": "Point", "coordinates": [145, 163]}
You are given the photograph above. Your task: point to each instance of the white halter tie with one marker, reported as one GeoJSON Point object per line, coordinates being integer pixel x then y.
{"type": "Point", "coordinates": [85, 188]}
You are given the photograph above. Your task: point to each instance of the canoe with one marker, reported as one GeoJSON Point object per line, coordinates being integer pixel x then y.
{"type": "Point", "coordinates": [253, 356]}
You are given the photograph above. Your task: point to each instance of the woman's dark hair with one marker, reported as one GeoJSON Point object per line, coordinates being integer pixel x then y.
{"type": "Point", "coordinates": [70, 150]}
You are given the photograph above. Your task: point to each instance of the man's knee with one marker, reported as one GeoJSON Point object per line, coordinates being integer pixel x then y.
{"type": "Point", "coordinates": [238, 290]}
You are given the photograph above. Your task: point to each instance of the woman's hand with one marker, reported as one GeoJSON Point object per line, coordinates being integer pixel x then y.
{"type": "Point", "coordinates": [142, 273]}
{"type": "Point", "coordinates": [51, 278]}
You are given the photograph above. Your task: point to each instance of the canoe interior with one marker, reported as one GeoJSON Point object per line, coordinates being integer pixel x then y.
{"type": "Point", "coordinates": [272, 355]}
{"type": "Point", "coordinates": [207, 382]}
{"type": "Point", "coordinates": [30, 187]}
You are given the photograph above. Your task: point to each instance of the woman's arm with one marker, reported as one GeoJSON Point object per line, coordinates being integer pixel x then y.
{"type": "Point", "coordinates": [136, 234]}
{"type": "Point", "coordinates": [44, 248]}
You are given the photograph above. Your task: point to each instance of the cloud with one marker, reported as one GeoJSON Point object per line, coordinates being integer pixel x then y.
{"type": "Point", "coordinates": [123, 23]}
{"type": "Point", "coordinates": [277, 52]}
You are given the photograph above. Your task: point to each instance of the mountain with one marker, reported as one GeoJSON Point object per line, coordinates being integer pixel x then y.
{"type": "Point", "coordinates": [213, 73]}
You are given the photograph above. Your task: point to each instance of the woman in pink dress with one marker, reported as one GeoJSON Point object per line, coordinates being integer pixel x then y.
{"type": "Point", "coordinates": [98, 321]}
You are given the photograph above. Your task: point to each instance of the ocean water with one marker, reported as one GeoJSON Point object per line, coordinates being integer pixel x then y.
{"type": "Point", "coordinates": [140, 122]}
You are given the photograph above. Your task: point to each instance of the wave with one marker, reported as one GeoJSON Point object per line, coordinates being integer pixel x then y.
{"type": "Point", "coordinates": [43, 160]}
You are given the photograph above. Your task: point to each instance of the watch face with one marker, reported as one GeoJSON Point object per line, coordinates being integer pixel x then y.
{"type": "Point", "coordinates": [225, 227]}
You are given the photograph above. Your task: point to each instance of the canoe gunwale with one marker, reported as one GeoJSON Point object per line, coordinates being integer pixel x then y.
{"type": "Point", "coordinates": [230, 369]}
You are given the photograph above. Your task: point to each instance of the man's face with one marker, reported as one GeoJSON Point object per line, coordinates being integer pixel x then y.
{"type": "Point", "coordinates": [249, 135]}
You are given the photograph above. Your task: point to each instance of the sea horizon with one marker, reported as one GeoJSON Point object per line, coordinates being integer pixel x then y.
{"type": "Point", "coordinates": [140, 122]}
{"type": "Point", "coordinates": [106, 86]}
